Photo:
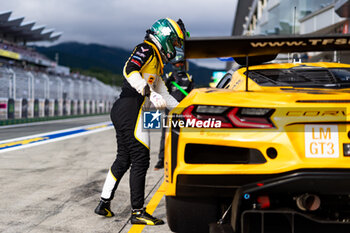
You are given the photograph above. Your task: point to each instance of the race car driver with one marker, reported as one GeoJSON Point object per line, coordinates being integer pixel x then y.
{"type": "Point", "coordinates": [142, 86]}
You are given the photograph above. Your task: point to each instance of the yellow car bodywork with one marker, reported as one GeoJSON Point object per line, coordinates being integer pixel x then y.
{"type": "Point", "coordinates": [295, 109]}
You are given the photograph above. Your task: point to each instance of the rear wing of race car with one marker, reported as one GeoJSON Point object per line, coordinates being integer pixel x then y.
{"type": "Point", "coordinates": [261, 48]}
{"type": "Point", "coordinates": [242, 46]}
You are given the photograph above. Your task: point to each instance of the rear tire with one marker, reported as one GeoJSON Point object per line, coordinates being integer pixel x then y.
{"type": "Point", "coordinates": [191, 214]}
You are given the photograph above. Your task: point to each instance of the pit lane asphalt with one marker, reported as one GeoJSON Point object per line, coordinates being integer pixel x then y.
{"type": "Point", "coordinates": [22, 130]}
{"type": "Point", "coordinates": [55, 187]}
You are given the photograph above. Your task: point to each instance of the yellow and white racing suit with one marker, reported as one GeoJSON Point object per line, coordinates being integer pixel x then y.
{"type": "Point", "coordinates": [142, 72]}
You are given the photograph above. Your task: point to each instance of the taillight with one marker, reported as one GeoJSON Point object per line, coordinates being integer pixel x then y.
{"type": "Point", "coordinates": [235, 117]}
{"type": "Point", "coordinates": [250, 119]}
{"type": "Point", "coordinates": [207, 113]}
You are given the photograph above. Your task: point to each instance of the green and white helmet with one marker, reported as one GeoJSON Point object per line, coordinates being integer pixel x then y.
{"type": "Point", "coordinates": [167, 35]}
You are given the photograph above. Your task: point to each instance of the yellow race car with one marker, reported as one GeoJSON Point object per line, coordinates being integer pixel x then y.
{"type": "Point", "coordinates": [269, 149]}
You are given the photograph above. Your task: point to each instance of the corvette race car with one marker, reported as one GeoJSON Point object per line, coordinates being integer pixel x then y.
{"type": "Point", "coordinates": [268, 150]}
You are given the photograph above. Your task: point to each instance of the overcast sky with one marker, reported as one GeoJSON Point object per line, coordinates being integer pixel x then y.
{"type": "Point", "coordinates": [122, 23]}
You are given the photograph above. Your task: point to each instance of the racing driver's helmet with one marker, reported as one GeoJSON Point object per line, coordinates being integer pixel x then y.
{"type": "Point", "coordinates": [167, 35]}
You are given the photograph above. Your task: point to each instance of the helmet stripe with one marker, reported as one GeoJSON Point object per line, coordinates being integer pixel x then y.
{"type": "Point", "coordinates": [176, 27]}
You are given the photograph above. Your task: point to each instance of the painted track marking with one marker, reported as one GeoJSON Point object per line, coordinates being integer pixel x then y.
{"type": "Point", "coordinates": [39, 139]}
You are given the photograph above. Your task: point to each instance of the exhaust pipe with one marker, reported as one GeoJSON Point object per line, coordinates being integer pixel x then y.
{"type": "Point", "coordinates": [308, 202]}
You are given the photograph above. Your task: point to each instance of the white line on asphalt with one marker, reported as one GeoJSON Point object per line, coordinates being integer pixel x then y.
{"type": "Point", "coordinates": [95, 128]}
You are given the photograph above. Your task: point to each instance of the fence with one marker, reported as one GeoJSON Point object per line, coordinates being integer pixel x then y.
{"type": "Point", "coordinates": [29, 94]}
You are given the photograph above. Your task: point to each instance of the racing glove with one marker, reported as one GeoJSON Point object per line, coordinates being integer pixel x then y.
{"type": "Point", "coordinates": [137, 82]}
{"type": "Point", "coordinates": [157, 100]}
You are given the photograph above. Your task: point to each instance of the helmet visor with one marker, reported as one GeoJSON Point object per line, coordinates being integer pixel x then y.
{"type": "Point", "coordinates": [179, 56]}
{"type": "Point", "coordinates": [178, 43]}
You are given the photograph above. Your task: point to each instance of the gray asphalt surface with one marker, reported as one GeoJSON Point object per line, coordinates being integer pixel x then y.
{"type": "Point", "coordinates": [56, 186]}
{"type": "Point", "coordinates": [22, 130]}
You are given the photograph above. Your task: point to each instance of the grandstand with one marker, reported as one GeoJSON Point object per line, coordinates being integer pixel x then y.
{"type": "Point", "coordinates": [33, 86]}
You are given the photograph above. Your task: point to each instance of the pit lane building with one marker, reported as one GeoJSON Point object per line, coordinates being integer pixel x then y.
{"type": "Point", "coordinates": [288, 17]}
{"type": "Point", "coordinates": [33, 86]}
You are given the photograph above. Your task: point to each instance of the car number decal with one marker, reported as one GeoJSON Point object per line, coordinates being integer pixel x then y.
{"type": "Point", "coordinates": [321, 141]}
